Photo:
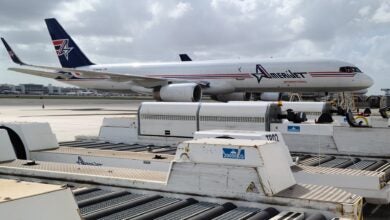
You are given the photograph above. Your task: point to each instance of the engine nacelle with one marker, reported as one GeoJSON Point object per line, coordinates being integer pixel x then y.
{"type": "Point", "coordinates": [180, 92]}
{"type": "Point", "coordinates": [234, 96]}
{"type": "Point", "coordinates": [270, 96]}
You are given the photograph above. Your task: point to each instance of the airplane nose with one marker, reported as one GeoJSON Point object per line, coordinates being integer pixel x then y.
{"type": "Point", "coordinates": [367, 81]}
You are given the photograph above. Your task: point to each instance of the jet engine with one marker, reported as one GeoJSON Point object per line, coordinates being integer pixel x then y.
{"type": "Point", "coordinates": [180, 92]}
{"type": "Point", "coordinates": [270, 96]}
{"type": "Point", "coordinates": [234, 96]}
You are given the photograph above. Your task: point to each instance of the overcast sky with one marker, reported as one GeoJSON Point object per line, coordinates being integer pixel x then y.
{"type": "Point", "coordinates": [357, 31]}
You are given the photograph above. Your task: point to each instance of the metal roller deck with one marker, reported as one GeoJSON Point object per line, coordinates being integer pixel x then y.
{"type": "Point", "coordinates": [120, 147]}
{"type": "Point", "coordinates": [95, 203]}
{"type": "Point", "coordinates": [345, 162]}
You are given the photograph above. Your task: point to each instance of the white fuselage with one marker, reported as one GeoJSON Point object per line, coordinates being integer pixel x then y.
{"type": "Point", "coordinates": [272, 75]}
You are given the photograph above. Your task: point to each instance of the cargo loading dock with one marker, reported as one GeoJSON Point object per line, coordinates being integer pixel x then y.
{"type": "Point", "coordinates": [84, 124]}
{"type": "Point", "coordinates": [276, 189]}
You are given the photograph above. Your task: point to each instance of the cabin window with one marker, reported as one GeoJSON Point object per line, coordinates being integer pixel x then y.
{"type": "Point", "coordinates": [349, 69]}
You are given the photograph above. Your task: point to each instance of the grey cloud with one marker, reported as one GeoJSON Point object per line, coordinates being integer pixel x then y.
{"type": "Point", "coordinates": [126, 31]}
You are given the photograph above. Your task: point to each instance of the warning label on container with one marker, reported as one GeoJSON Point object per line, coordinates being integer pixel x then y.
{"type": "Point", "coordinates": [293, 128]}
{"type": "Point", "coordinates": [233, 153]}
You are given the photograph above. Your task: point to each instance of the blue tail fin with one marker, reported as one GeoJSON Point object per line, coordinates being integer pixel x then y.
{"type": "Point", "coordinates": [68, 52]}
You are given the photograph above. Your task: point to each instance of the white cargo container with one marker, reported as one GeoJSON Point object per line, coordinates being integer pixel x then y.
{"type": "Point", "coordinates": [168, 119]}
{"type": "Point", "coordinates": [183, 119]}
{"type": "Point", "coordinates": [240, 116]}
{"type": "Point", "coordinates": [119, 130]}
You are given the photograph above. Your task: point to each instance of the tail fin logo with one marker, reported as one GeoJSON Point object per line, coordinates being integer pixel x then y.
{"type": "Point", "coordinates": [11, 53]}
{"type": "Point", "coordinates": [62, 47]}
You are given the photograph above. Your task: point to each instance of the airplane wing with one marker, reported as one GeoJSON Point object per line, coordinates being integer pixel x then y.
{"type": "Point", "coordinates": [55, 72]}
{"type": "Point", "coordinates": [41, 73]}
{"type": "Point", "coordinates": [145, 81]}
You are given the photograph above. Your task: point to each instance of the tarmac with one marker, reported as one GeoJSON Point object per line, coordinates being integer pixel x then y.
{"type": "Point", "coordinates": [68, 118]}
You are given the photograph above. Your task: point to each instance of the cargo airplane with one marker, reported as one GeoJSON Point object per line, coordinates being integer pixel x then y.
{"type": "Point", "coordinates": [225, 80]}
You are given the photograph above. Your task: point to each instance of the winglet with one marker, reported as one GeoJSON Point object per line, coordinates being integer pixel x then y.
{"type": "Point", "coordinates": [11, 53]}
{"type": "Point", "coordinates": [184, 57]}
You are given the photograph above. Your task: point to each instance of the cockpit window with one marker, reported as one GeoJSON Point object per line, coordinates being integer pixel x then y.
{"type": "Point", "coordinates": [349, 69]}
